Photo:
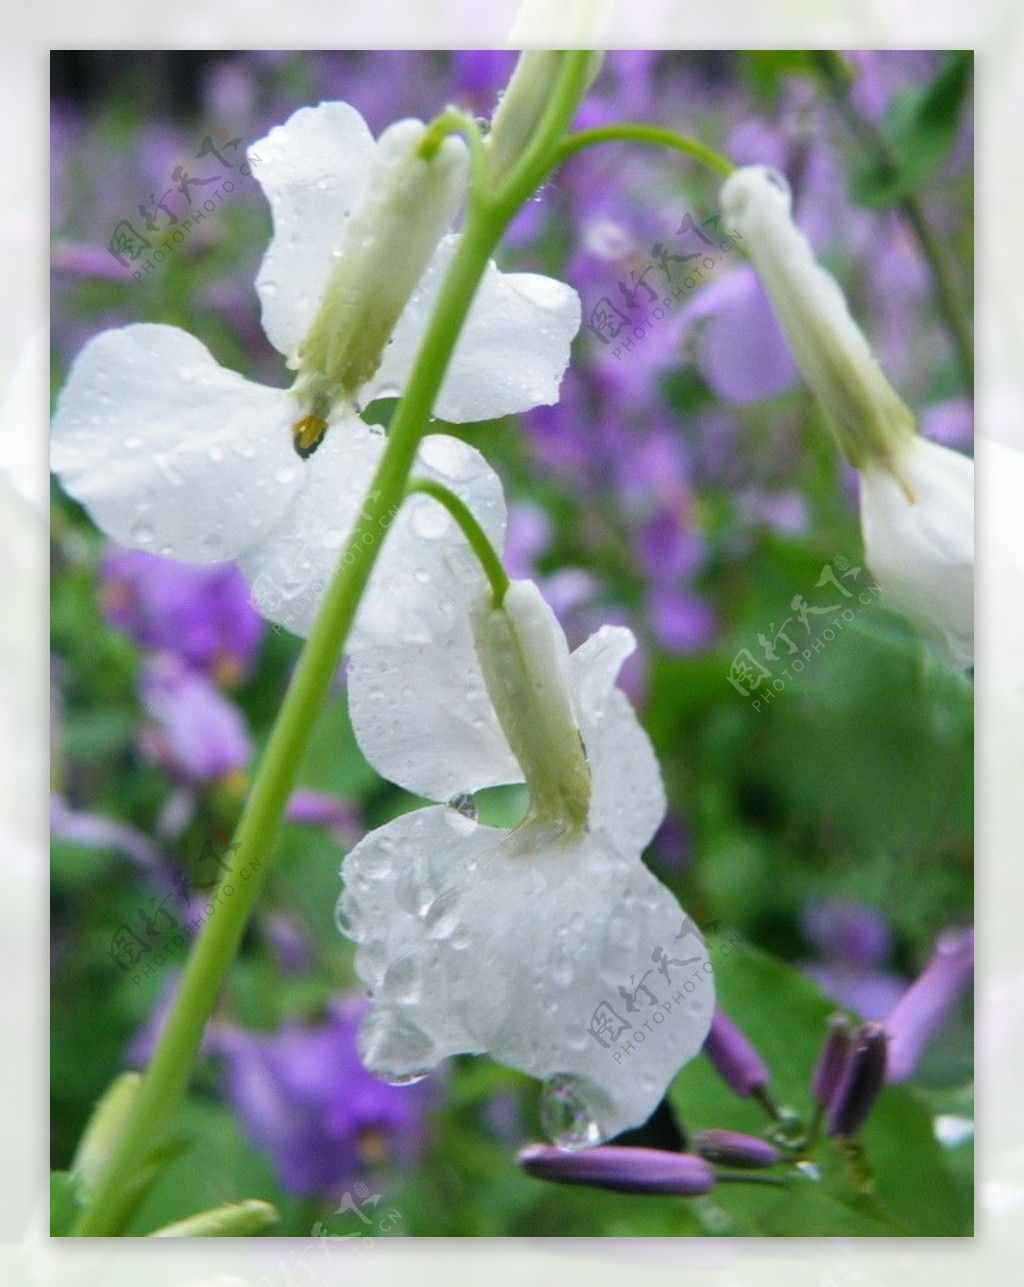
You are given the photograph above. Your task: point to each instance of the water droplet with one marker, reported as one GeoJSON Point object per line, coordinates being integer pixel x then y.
{"type": "Point", "coordinates": [393, 1048]}
{"type": "Point", "coordinates": [215, 452]}
{"type": "Point", "coordinates": [346, 916]}
{"type": "Point", "coordinates": [374, 864]}
{"type": "Point", "coordinates": [429, 520]}
{"type": "Point", "coordinates": [142, 534]}
{"type": "Point", "coordinates": [413, 891]}
{"type": "Point", "coordinates": [443, 915]}
{"type": "Point", "coordinates": [567, 1111]}
{"type": "Point", "coordinates": [186, 374]}
{"type": "Point", "coordinates": [284, 474]}
{"type": "Point", "coordinates": [403, 981]}
{"type": "Point", "coordinates": [464, 804]}
{"type": "Point", "coordinates": [133, 442]}
{"type": "Point", "coordinates": [422, 576]}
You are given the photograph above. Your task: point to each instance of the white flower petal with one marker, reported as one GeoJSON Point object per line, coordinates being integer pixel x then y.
{"type": "Point", "coordinates": [290, 570]}
{"type": "Point", "coordinates": [425, 575]}
{"type": "Point", "coordinates": [628, 799]}
{"type": "Point", "coordinates": [407, 696]}
{"type": "Point", "coordinates": [923, 553]}
{"type": "Point", "coordinates": [314, 169]}
{"type": "Point", "coordinates": [470, 942]}
{"type": "Point", "coordinates": [512, 352]}
{"type": "Point", "coordinates": [170, 452]}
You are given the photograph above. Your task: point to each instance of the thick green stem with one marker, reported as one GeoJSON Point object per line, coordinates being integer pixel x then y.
{"type": "Point", "coordinates": [471, 530]}
{"type": "Point", "coordinates": [652, 134]}
{"type": "Point", "coordinates": [166, 1079]}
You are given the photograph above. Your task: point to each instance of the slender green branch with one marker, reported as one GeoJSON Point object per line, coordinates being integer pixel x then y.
{"type": "Point", "coordinates": [165, 1081]}
{"type": "Point", "coordinates": [652, 134]}
{"type": "Point", "coordinates": [471, 530]}
{"type": "Point", "coordinates": [836, 80]}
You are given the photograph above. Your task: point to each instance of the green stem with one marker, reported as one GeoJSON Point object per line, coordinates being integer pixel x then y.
{"type": "Point", "coordinates": [473, 532]}
{"type": "Point", "coordinates": [653, 134]}
{"type": "Point", "coordinates": [166, 1079]}
{"type": "Point", "coordinates": [836, 78]}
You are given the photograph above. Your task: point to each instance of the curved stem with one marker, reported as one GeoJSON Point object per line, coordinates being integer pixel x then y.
{"type": "Point", "coordinates": [471, 530]}
{"type": "Point", "coordinates": [652, 134]}
{"type": "Point", "coordinates": [166, 1078]}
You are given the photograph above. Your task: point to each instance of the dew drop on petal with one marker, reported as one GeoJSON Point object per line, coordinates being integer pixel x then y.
{"type": "Point", "coordinates": [566, 1111]}
{"type": "Point", "coordinates": [464, 805]}
{"type": "Point", "coordinates": [142, 534]}
{"type": "Point", "coordinates": [284, 474]}
{"type": "Point", "coordinates": [215, 453]}
{"type": "Point", "coordinates": [403, 981]}
{"type": "Point", "coordinates": [443, 915]}
{"type": "Point", "coordinates": [429, 520]}
{"type": "Point", "coordinates": [394, 1049]}
{"type": "Point", "coordinates": [133, 442]}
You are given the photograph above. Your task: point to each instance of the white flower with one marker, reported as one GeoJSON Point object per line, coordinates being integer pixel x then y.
{"type": "Point", "coordinates": [552, 946]}
{"type": "Point", "coordinates": [173, 453]}
{"type": "Point", "coordinates": [916, 498]}
{"type": "Point", "coordinates": [918, 526]}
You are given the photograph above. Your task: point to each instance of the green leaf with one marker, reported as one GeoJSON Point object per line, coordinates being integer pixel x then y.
{"type": "Point", "coordinates": [65, 1202]}
{"type": "Point", "coordinates": [235, 1220]}
{"type": "Point", "coordinates": [920, 128]}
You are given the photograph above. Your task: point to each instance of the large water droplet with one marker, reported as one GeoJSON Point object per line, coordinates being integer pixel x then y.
{"type": "Point", "coordinates": [567, 1111]}
{"type": "Point", "coordinates": [142, 534]}
{"type": "Point", "coordinates": [443, 915]}
{"type": "Point", "coordinates": [284, 474]}
{"type": "Point", "coordinates": [429, 521]}
{"type": "Point", "coordinates": [346, 916]}
{"type": "Point", "coordinates": [403, 981]}
{"type": "Point", "coordinates": [464, 805]}
{"type": "Point", "coordinates": [394, 1049]}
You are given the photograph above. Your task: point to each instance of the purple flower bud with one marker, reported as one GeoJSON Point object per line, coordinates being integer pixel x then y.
{"type": "Point", "coordinates": [197, 733]}
{"type": "Point", "coordinates": [832, 1061]}
{"type": "Point", "coordinates": [730, 1148]}
{"type": "Point", "coordinates": [735, 1059]}
{"type": "Point", "coordinates": [927, 1003]}
{"type": "Point", "coordinates": [626, 1170]}
{"type": "Point", "coordinates": [861, 1082]}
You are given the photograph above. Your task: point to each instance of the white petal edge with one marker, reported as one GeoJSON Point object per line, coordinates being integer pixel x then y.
{"type": "Point", "coordinates": [468, 944]}
{"type": "Point", "coordinates": [313, 169]}
{"type": "Point", "coordinates": [511, 355]}
{"type": "Point", "coordinates": [923, 554]}
{"type": "Point", "coordinates": [169, 451]}
{"type": "Point", "coordinates": [628, 800]}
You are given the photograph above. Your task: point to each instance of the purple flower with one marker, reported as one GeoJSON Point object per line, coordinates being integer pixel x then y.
{"type": "Point", "coordinates": [305, 1098]}
{"type": "Point", "coordinates": [626, 1170]}
{"type": "Point", "coordinates": [318, 809]}
{"type": "Point", "coordinates": [196, 732]}
{"type": "Point", "coordinates": [734, 1058]}
{"type": "Point", "coordinates": [862, 1079]}
{"type": "Point", "coordinates": [201, 614]}
{"type": "Point", "coordinates": [854, 942]}
{"type": "Point", "coordinates": [730, 1148]}
{"type": "Point", "coordinates": [832, 1061]}
{"type": "Point", "coordinates": [928, 1002]}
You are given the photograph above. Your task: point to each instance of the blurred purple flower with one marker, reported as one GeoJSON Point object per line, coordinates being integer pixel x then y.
{"type": "Point", "coordinates": [93, 831]}
{"type": "Point", "coordinates": [319, 809]}
{"type": "Point", "coordinates": [680, 621]}
{"type": "Point", "coordinates": [928, 1002]}
{"type": "Point", "coordinates": [854, 942]}
{"type": "Point", "coordinates": [305, 1098]}
{"type": "Point", "coordinates": [201, 614]}
{"type": "Point", "coordinates": [950, 422]}
{"type": "Point", "coordinates": [196, 732]}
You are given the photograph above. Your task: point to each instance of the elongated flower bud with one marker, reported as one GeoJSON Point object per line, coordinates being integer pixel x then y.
{"type": "Point", "coordinates": [409, 205]}
{"type": "Point", "coordinates": [730, 1148]}
{"type": "Point", "coordinates": [867, 416]}
{"type": "Point", "coordinates": [626, 1170]}
{"type": "Point", "coordinates": [927, 1003]}
{"type": "Point", "coordinates": [735, 1059]}
{"type": "Point", "coordinates": [860, 1084]}
{"type": "Point", "coordinates": [832, 1062]}
{"type": "Point", "coordinates": [522, 106]}
{"type": "Point", "coordinates": [525, 663]}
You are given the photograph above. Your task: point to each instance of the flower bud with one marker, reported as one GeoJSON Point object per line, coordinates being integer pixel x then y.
{"type": "Point", "coordinates": [735, 1059]}
{"type": "Point", "coordinates": [730, 1148]}
{"type": "Point", "coordinates": [408, 206]}
{"type": "Point", "coordinates": [522, 106]}
{"type": "Point", "coordinates": [525, 663]}
{"type": "Point", "coordinates": [869, 419]}
{"type": "Point", "coordinates": [861, 1082]}
{"type": "Point", "coordinates": [927, 1003]}
{"type": "Point", "coordinates": [626, 1170]}
{"type": "Point", "coordinates": [832, 1062]}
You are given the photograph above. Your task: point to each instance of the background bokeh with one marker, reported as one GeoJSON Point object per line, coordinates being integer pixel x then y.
{"type": "Point", "coordinates": [685, 486]}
